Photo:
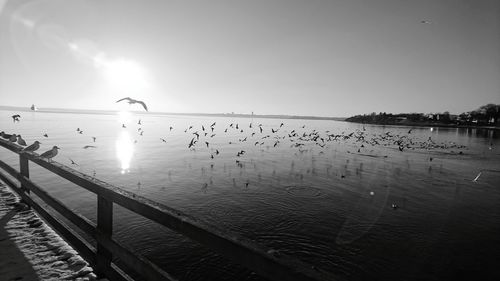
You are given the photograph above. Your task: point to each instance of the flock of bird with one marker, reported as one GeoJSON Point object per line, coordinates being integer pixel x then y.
{"type": "Point", "coordinates": [255, 134]}
{"type": "Point", "coordinates": [32, 147]}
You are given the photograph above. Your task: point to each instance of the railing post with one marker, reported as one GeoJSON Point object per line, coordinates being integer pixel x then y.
{"type": "Point", "coordinates": [24, 169]}
{"type": "Point", "coordinates": [104, 229]}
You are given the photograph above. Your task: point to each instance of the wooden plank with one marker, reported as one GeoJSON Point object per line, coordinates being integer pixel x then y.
{"type": "Point", "coordinates": [80, 221]}
{"type": "Point", "coordinates": [24, 169]}
{"type": "Point", "coordinates": [83, 223]}
{"type": "Point", "coordinates": [136, 262]}
{"type": "Point", "coordinates": [104, 229]}
{"type": "Point", "coordinates": [84, 248]}
{"type": "Point", "coordinates": [87, 251]}
{"type": "Point", "coordinates": [116, 273]}
{"type": "Point", "coordinates": [10, 145]}
{"type": "Point", "coordinates": [13, 172]}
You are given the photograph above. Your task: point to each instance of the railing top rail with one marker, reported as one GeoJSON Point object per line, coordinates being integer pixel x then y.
{"type": "Point", "coordinates": [241, 250]}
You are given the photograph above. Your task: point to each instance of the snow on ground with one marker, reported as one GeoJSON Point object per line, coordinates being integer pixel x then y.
{"type": "Point", "coordinates": [51, 257]}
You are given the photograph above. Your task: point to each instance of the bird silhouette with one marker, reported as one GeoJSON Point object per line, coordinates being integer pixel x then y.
{"type": "Point", "coordinates": [191, 143]}
{"type": "Point", "coordinates": [15, 118]}
{"type": "Point", "coordinates": [133, 101]}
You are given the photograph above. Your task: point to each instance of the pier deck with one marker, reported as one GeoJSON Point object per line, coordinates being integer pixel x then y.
{"type": "Point", "coordinates": [30, 250]}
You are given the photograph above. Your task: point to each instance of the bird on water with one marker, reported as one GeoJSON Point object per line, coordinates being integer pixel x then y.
{"type": "Point", "coordinates": [32, 147]}
{"type": "Point", "coordinates": [132, 101]}
{"type": "Point", "coordinates": [49, 154]}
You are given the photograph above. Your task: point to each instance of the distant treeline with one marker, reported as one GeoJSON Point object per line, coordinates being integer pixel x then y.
{"type": "Point", "coordinates": [486, 115]}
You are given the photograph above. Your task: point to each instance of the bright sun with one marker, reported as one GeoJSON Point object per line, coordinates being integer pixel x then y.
{"type": "Point", "coordinates": [125, 75]}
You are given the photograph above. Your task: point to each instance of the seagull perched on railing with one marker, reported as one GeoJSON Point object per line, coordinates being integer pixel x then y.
{"type": "Point", "coordinates": [13, 138]}
{"type": "Point", "coordinates": [132, 101]}
{"type": "Point", "coordinates": [32, 147]}
{"type": "Point", "coordinates": [21, 141]}
{"type": "Point", "coordinates": [4, 135]}
{"type": "Point", "coordinates": [49, 154]}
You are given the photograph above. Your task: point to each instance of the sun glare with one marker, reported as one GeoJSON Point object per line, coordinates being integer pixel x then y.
{"type": "Point", "coordinates": [124, 116]}
{"type": "Point", "coordinates": [125, 75]}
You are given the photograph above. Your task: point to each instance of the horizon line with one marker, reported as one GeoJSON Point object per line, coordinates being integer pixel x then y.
{"type": "Point", "coordinates": [106, 111]}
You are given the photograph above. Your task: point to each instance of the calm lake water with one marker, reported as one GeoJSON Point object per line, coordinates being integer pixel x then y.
{"type": "Point", "coordinates": [311, 190]}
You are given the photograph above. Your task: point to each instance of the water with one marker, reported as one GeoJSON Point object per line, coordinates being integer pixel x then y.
{"type": "Point", "coordinates": [326, 203]}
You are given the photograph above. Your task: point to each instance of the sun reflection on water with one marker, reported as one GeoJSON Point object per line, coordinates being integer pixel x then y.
{"type": "Point", "coordinates": [124, 150]}
{"type": "Point", "coordinates": [124, 116]}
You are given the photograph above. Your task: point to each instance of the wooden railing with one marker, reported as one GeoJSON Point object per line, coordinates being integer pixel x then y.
{"type": "Point", "coordinates": [237, 249]}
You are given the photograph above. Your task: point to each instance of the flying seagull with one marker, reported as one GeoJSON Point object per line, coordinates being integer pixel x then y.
{"type": "Point", "coordinates": [132, 101]}
{"type": "Point", "coordinates": [33, 147]}
{"type": "Point", "coordinates": [16, 117]}
{"type": "Point", "coordinates": [49, 154]}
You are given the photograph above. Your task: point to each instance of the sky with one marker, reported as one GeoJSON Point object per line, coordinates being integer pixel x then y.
{"type": "Point", "coordinates": [320, 58]}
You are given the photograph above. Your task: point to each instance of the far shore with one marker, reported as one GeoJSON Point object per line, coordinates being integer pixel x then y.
{"type": "Point", "coordinates": [429, 124]}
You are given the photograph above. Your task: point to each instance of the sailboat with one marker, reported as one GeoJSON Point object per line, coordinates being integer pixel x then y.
{"type": "Point", "coordinates": [33, 107]}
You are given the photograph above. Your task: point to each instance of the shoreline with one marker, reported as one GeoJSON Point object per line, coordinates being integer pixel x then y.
{"type": "Point", "coordinates": [452, 126]}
